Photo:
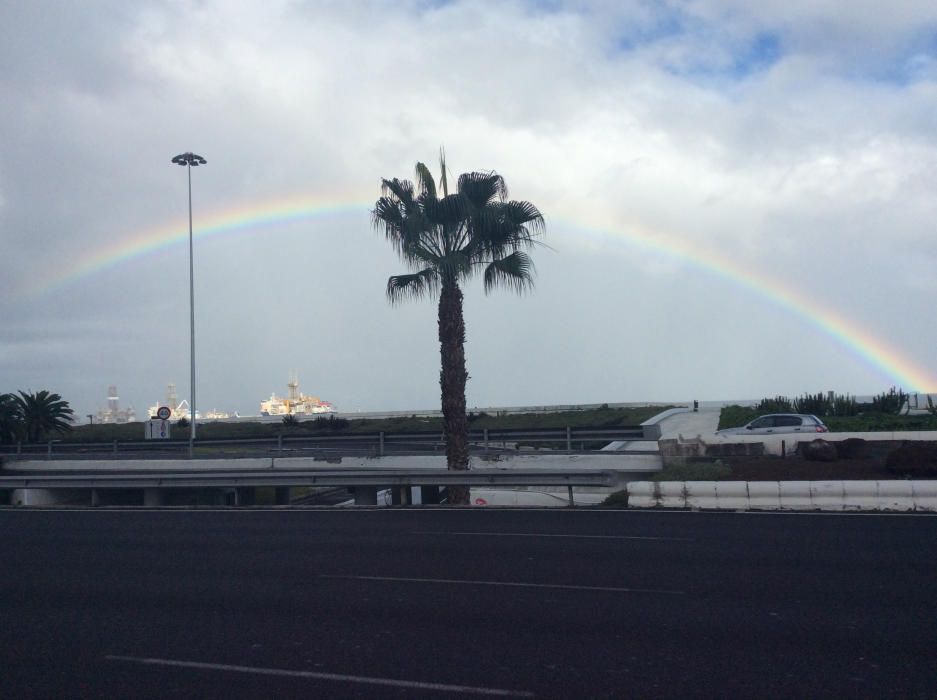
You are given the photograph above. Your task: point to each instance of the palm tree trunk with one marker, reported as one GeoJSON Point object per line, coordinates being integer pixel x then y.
{"type": "Point", "coordinates": [452, 378]}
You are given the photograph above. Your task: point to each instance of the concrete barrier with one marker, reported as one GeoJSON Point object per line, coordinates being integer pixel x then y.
{"type": "Point", "coordinates": [764, 495]}
{"type": "Point", "coordinates": [698, 493]}
{"type": "Point", "coordinates": [860, 495]}
{"type": "Point", "coordinates": [794, 495]}
{"type": "Point", "coordinates": [671, 494]}
{"type": "Point", "coordinates": [732, 495]}
{"type": "Point", "coordinates": [643, 494]}
{"type": "Point", "coordinates": [900, 496]}
{"type": "Point", "coordinates": [925, 495]}
{"type": "Point", "coordinates": [827, 495]}
{"type": "Point", "coordinates": [895, 495]}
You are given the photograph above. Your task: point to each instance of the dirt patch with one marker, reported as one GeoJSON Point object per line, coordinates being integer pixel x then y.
{"type": "Point", "coordinates": [849, 459]}
{"type": "Point", "coordinates": [797, 469]}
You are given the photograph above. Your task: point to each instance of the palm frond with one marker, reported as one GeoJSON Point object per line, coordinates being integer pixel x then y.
{"type": "Point", "coordinates": [424, 180]}
{"type": "Point", "coordinates": [503, 227]}
{"type": "Point", "coordinates": [418, 285]}
{"type": "Point", "coordinates": [514, 271]}
{"type": "Point", "coordinates": [401, 189]}
{"type": "Point", "coordinates": [481, 189]}
{"type": "Point", "coordinates": [448, 211]}
{"type": "Point", "coordinates": [444, 178]}
{"type": "Point", "coordinates": [521, 213]}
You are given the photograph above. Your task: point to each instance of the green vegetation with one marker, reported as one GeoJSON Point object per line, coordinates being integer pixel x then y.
{"type": "Point", "coordinates": [593, 418]}
{"type": "Point", "coordinates": [617, 498]}
{"type": "Point", "coordinates": [735, 416]}
{"type": "Point", "coordinates": [874, 422]}
{"type": "Point", "coordinates": [33, 416]}
{"type": "Point", "coordinates": [445, 241]}
{"type": "Point", "coordinates": [891, 402]}
{"type": "Point", "coordinates": [841, 413]}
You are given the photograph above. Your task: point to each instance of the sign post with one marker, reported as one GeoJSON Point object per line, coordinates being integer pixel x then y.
{"type": "Point", "coordinates": [158, 428]}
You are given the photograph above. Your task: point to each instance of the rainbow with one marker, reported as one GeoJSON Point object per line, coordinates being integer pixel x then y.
{"type": "Point", "coordinates": [229, 221]}
{"type": "Point", "coordinates": [873, 351]}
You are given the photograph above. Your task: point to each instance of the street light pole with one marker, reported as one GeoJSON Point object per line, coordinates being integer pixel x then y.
{"type": "Point", "coordinates": [189, 159]}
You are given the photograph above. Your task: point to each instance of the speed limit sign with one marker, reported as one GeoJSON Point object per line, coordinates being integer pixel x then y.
{"type": "Point", "coordinates": [163, 412]}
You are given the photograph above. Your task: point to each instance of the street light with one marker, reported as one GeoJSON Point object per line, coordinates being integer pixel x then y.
{"type": "Point", "coordinates": [188, 160]}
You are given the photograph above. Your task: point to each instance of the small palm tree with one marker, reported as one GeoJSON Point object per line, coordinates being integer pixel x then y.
{"type": "Point", "coordinates": [445, 241]}
{"type": "Point", "coordinates": [10, 419]}
{"type": "Point", "coordinates": [42, 413]}
{"type": "Point", "coordinates": [290, 421]}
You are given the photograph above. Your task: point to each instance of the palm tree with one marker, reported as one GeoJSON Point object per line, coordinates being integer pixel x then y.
{"type": "Point", "coordinates": [41, 413]}
{"type": "Point", "coordinates": [445, 241]}
{"type": "Point", "coordinates": [10, 419]}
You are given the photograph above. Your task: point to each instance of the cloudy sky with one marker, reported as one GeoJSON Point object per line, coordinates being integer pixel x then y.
{"type": "Point", "coordinates": [741, 198]}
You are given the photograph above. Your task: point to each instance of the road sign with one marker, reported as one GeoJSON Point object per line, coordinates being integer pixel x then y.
{"type": "Point", "coordinates": [157, 429]}
{"type": "Point", "coordinates": [163, 412]}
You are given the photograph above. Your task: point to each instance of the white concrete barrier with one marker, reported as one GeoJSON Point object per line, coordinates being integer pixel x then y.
{"type": "Point", "coordinates": [700, 493]}
{"type": "Point", "coordinates": [732, 495]}
{"type": "Point", "coordinates": [901, 496]}
{"type": "Point", "coordinates": [827, 495]}
{"type": "Point", "coordinates": [642, 494]}
{"type": "Point", "coordinates": [895, 495]}
{"type": "Point", "coordinates": [764, 495]}
{"type": "Point", "coordinates": [794, 495]}
{"type": "Point", "coordinates": [925, 495]}
{"type": "Point", "coordinates": [860, 495]}
{"type": "Point", "coordinates": [672, 494]}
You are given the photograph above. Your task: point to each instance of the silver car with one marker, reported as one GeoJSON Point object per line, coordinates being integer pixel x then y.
{"type": "Point", "coordinates": [779, 423]}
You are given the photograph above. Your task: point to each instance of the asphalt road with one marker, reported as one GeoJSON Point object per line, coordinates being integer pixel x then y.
{"type": "Point", "coordinates": [439, 603]}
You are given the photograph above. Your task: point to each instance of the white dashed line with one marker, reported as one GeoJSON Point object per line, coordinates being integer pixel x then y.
{"type": "Point", "coordinates": [341, 677]}
{"type": "Point", "coordinates": [511, 584]}
{"type": "Point", "coordinates": [549, 534]}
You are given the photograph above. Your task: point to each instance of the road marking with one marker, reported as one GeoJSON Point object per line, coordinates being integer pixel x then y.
{"type": "Point", "coordinates": [369, 680]}
{"type": "Point", "coordinates": [548, 534]}
{"type": "Point", "coordinates": [511, 584]}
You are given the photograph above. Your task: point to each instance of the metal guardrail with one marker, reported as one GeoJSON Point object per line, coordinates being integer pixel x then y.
{"type": "Point", "coordinates": [376, 444]}
{"type": "Point", "coordinates": [383, 478]}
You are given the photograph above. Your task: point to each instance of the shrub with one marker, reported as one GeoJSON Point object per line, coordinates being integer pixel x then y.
{"type": "Point", "coordinates": [816, 404]}
{"type": "Point", "coordinates": [890, 402]}
{"type": "Point", "coordinates": [779, 404]}
{"type": "Point", "coordinates": [618, 498]}
{"type": "Point", "coordinates": [735, 416]}
{"type": "Point", "coordinates": [874, 422]}
{"type": "Point", "coordinates": [845, 405]}
{"type": "Point", "coordinates": [331, 423]}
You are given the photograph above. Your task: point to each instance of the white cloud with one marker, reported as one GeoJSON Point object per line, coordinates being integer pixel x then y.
{"type": "Point", "coordinates": [796, 157]}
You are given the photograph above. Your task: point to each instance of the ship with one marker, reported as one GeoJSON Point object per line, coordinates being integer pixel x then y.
{"type": "Point", "coordinates": [180, 409]}
{"type": "Point", "coordinates": [295, 404]}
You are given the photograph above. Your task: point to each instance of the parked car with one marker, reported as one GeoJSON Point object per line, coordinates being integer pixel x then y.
{"type": "Point", "coordinates": [779, 423]}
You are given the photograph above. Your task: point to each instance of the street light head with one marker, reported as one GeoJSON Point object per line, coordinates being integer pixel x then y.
{"type": "Point", "coordinates": [189, 159]}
